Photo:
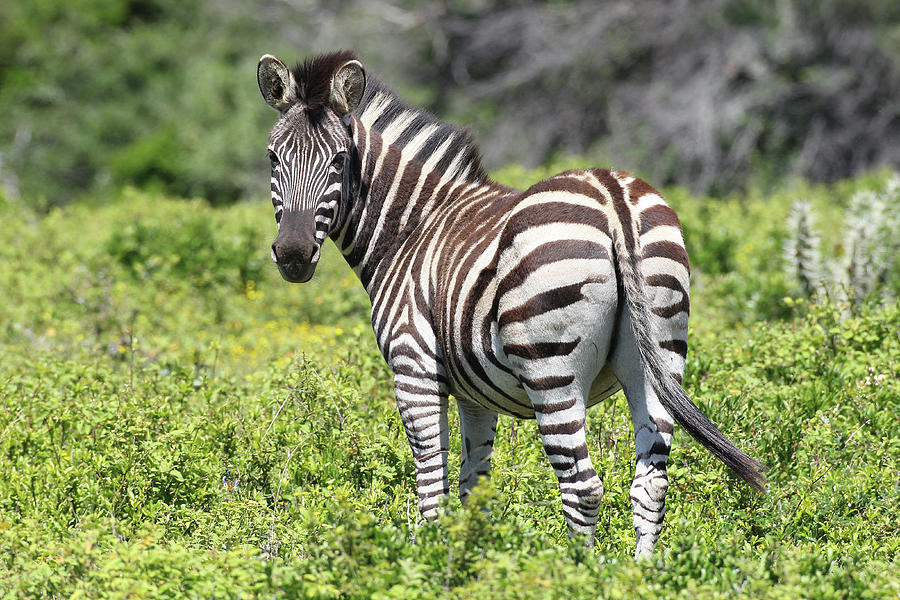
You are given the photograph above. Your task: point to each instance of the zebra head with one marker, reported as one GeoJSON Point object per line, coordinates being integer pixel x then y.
{"type": "Point", "coordinates": [311, 150]}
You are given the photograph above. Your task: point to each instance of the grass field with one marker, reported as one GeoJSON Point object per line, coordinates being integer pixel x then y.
{"type": "Point", "coordinates": [178, 422]}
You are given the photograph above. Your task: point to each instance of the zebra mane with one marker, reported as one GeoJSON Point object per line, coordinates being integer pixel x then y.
{"type": "Point", "coordinates": [312, 77]}
{"type": "Point", "coordinates": [384, 111]}
{"type": "Point", "coordinates": [381, 108]}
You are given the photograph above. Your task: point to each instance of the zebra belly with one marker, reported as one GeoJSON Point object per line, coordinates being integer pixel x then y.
{"type": "Point", "coordinates": [604, 385]}
{"type": "Point", "coordinates": [512, 401]}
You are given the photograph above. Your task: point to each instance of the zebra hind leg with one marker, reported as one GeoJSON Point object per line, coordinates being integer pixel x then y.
{"type": "Point", "coordinates": [560, 413]}
{"type": "Point", "coordinates": [653, 428]}
{"type": "Point", "coordinates": [653, 439]}
{"type": "Point", "coordinates": [478, 426]}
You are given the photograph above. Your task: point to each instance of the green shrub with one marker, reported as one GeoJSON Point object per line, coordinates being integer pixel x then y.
{"type": "Point", "coordinates": [188, 248]}
{"type": "Point", "coordinates": [164, 438]}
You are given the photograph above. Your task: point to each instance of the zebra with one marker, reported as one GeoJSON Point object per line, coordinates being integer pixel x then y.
{"type": "Point", "coordinates": [535, 304]}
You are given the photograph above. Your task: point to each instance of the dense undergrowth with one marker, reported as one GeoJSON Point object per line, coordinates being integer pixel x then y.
{"type": "Point", "coordinates": [176, 421]}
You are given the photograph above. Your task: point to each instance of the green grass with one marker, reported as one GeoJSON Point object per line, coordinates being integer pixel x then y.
{"type": "Point", "coordinates": [176, 421]}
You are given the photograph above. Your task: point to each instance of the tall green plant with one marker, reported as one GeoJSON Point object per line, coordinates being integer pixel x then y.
{"type": "Point", "coordinates": [801, 248]}
{"type": "Point", "coordinates": [866, 261]}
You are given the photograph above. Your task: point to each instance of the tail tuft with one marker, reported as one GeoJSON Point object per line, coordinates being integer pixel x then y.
{"type": "Point", "coordinates": [689, 416]}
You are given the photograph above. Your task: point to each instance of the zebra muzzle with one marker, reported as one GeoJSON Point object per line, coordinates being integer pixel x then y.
{"type": "Point", "coordinates": [296, 262]}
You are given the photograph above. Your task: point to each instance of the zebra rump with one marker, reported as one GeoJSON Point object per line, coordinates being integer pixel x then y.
{"type": "Point", "coordinates": [668, 388]}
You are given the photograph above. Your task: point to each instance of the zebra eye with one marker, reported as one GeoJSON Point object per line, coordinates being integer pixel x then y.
{"type": "Point", "coordinates": [337, 163]}
{"type": "Point", "coordinates": [273, 158]}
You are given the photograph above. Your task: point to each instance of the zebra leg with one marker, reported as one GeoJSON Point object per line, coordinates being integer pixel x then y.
{"type": "Point", "coordinates": [653, 428]}
{"type": "Point", "coordinates": [478, 426]}
{"type": "Point", "coordinates": [652, 439]}
{"type": "Point", "coordinates": [560, 415]}
{"type": "Point", "coordinates": [424, 416]}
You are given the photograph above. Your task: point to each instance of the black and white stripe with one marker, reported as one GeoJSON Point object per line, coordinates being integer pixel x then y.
{"type": "Point", "coordinates": [535, 304]}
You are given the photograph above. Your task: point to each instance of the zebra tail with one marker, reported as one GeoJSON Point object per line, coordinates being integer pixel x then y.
{"type": "Point", "coordinates": [668, 389]}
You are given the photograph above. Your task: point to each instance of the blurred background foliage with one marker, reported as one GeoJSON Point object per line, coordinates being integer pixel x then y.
{"type": "Point", "coordinates": [713, 95]}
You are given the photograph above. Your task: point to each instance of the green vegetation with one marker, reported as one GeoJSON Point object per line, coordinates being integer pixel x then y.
{"type": "Point", "coordinates": [869, 252]}
{"type": "Point", "coordinates": [176, 421]}
{"type": "Point", "coordinates": [101, 93]}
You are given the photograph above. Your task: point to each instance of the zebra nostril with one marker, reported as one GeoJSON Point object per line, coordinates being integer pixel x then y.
{"type": "Point", "coordinates": [290, 253]}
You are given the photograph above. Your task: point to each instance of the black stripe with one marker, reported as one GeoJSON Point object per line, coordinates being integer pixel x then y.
{"type": "Point", "coordinates": [662, 504]}
{"type": "Point", "coordinates": [431, 469]}
{"type": "Point", "coordinates": [658, 447]}
{"type": "Point", "coordinates": [539, 350]}
{"type": "Point", "coordinates": [577, 519]}
{"type": "Point", "coordinates": [667, 249]}
{"type": "Point", "coordinates": [430, 495]}
{"type": "Point", "coordinates": [414, 389]}
{"type": "Point", "coordinates": [545, 213]}
{"type": "Point", "coordinates": [549, 409]}
{"type": "Point", "coordinates": [547, 253]}
{"type": "Point", "coordinates": [544, 302]}
{"type": "Point", "coordinates": [426, 482]}
{"type": "Point", "coordinates": [579, 477]}
{"type": "Point", "coordinates": [561, 428]}
{"type": "Point", "coordinates": [671, 282]}
{"type": "Point", "coordinates": [657, 215]}
{"type": "Point", "coordinates": [551, 382]}
{"type": "Point", "coordinates": [663, 426]}
{"type": "Point", "coordinates": [676, 346]}
{"type": "Point", "coordinates": [577, 452]}
{"type": "Point", "coordinates": [567, 182]}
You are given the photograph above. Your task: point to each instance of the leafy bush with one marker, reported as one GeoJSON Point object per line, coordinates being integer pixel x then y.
{"type": "Point", "coordinates": [296, 481]}
{"type": "Point", "coordinates": [120, 92]}
{"type": "Point", "coordinates": [164, 439]}
{"type": "Point", "coordinates": [188, 248]}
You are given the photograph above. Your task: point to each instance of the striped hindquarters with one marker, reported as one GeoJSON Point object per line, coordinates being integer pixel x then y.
{"type": "Point", "coordinates": [663, 263]}
{"type": "Point", "coordinates": [556, 284]}
{"type": "Point", "coordinates": [649, 260]}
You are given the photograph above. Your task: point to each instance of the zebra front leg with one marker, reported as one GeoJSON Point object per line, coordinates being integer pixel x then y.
{"type": "Point", "coordinates": [423, 410]}
{"type": "Point", "coordinates": [560, 414]}
{"type": "Point", "coordinates": [477, 426]}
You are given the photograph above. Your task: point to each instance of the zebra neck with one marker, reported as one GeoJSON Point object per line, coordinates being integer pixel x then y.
{"type": "Point", "coordinates": [401, 186]}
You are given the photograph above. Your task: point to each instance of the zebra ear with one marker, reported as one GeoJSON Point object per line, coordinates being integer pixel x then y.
{"type": "Point", "coordinates": [347, 86]}
{"type": "Point", "coordinates": [276, 83]}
